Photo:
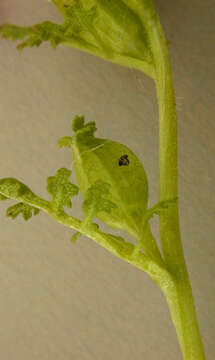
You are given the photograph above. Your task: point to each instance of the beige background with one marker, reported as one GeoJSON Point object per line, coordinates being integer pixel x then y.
{"type": "Point", "coordinates": [62, 301]}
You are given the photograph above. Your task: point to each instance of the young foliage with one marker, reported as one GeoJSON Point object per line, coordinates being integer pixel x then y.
{"type": "Point", "coordinates": [58, 186]}
{"type": "Point", "coordinates": [98, 159]}
{"type": "Point", "coordinates": [26, 210]}
{"type": "Point", "coordinates": [16, 190]}
{"type": "Point", "coordinates": [61, 189]}
{"type": "Point", "coordinates": [86, 26]}
{"type": "Point", "coordinates": [34, 35]}
{"type": "Point", "coordinates": [113, 192]}
{"type": "Point", "coordinates": [11, 188]}
{"type": "Point", "coordinates": [28, 203]}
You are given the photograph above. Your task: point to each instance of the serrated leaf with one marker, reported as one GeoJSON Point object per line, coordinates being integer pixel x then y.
{"type": "Point", "coordinates": [26, 210]}
{"type": "Point", "coordinates": [61, 189]}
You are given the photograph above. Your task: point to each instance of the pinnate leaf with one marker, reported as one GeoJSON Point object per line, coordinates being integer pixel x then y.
{"type": "Point", "coordinates": [61, 189]}
{"type": "Point", "coordinates": [29, 203]}
{"type": "Point", "coordinates": [34, 35]}
{"type": "Point", "coordinates": [21, 208]}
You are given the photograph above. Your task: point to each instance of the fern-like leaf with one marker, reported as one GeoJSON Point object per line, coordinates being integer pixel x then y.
{"type": "Point", "coordinates": [61, 189]}
{"type": "Point", "coordinates": [26, 210]}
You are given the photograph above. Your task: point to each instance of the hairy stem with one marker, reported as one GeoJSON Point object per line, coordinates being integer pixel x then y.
{"type": "Point", "coordinates": [180, 300]}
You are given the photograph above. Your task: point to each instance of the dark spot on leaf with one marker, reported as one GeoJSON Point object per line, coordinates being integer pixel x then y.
{"type": "Point", "coordinates": [123, 160]}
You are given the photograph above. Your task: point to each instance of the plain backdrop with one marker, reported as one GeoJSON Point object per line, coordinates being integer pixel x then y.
{"type": "Point", "coordinates": [62, 301]}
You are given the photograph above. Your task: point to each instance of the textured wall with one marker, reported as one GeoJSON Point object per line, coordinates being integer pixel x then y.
{"type": "Point", "coordinates": [61, 301]}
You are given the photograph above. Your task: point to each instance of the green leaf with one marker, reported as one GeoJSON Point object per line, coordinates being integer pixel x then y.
{"type": "Point", "coordinates": [113, 21]}
{"type": "Point", "coordinates": [98, 160]}
{"type": "Point", "coordinates": [61, 189]}
{"type": "Point", "coordinates": [14, 32]}
{"type": "Point", "coordinates": [79, 17]}
{"type": "Point", "coordinates": [29, 203]}
{"type": "Point", "coordinates": [111, 29]}
{"type": "Point", "coordinates": [58, 186]}
{"type": "Point", "coordinates": [21, 208]}
{"type": "Point", "coordinates": [34, 35]}
{"type": "Point", "coordinates": [78, 126]}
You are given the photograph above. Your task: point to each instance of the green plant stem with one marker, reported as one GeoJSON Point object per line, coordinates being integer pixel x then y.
{"type": "Point", "coordinates": [123, 250]}
{"type": "Point", "coordinates": [179, 298]}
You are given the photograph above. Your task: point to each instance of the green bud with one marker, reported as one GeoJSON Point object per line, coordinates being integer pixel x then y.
{"type": "Point", "coordinates": [113, 163]}
{"type": "Point", "coordinates": [112, 29]}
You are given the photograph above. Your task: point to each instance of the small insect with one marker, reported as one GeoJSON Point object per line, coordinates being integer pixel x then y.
{"type": "Point", "coordinates": [123, 160]}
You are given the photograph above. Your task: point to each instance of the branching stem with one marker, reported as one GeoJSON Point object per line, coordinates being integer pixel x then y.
{"type": "Point", "coordinates": [180, 300]}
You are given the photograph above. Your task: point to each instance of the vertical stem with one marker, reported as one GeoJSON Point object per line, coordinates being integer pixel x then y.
{"type": "Point", "coordinates": [180, 300]}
